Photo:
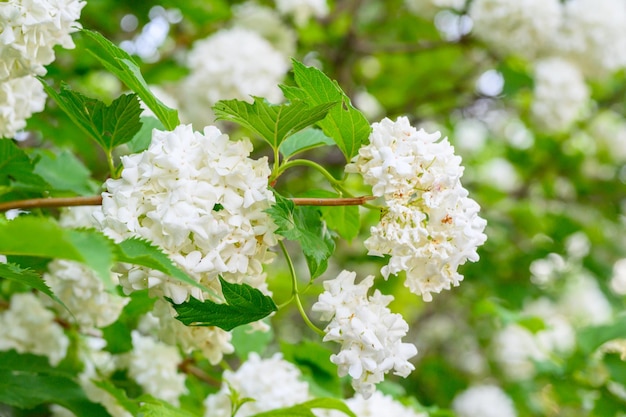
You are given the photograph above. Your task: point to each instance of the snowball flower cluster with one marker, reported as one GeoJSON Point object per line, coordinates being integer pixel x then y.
{"type": "Point", "coordinates": [484, 401]}
{"type": "Point", "coordinates": [377, 405]}
{"type": "Point", "coordinates": [29, 30]}
{"type": "Point", "coordinates": [28, 327]}
{"type": "Point", "coordinates": [430, 226]}
{"type": "Point", "coordinates": [154, 366]}
{"type": "Point", "coordinates": [200, 198]}
{"type": "Point", "coordinates": [232, 63]}
{"type": "Point", "coordinates": [560, 94]}
{"type": "Point", "coordinates": [302, 10]}
{"type": "Point", "coordinates": [272, 383]}
{"type": "Point", "coordinates": [525, 27]}
{"type": "Point", "coordinates": [83, 293]}
{"type": "Point", "coordinates": [369, 333]}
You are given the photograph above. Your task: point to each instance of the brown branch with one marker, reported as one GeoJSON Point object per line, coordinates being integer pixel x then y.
{"type": "Point", "coordinates": [97, 200]}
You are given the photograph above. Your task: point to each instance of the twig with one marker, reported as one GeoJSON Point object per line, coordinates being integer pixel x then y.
{"type": "Point", "coordinates": [97, 200]}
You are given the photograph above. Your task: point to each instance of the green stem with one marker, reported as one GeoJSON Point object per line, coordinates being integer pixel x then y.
{"type": "Point", "coordinates": [294, 292]}
{"type": "Point", "coordinates": [112, 169]}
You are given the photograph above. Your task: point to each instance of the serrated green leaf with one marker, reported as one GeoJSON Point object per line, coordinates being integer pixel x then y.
{"type": "Point", "coordinates": [143, 138]}
{"type": "Point", "coordinates": [590, 338]}
{"type": "Point", "coordinates": [27, 277]}
{"type": "Point", "coordinates": [109, 126]}
{"type": "Point", "coordinates": [153, 407]}
{"type": "Point", "coordinates": [17, 170]}
{"type": "Point", "coordinates": [303, 224]}
{"type": "Point", "coordinates": [87, 246]}
{"type": "Point", "coordinates": [27, 390]}
{"type": "Point", "coordinates": [141, 252]}
{"type": "Point", "coordinates": [244, 304]}
{"type": "Point", "coordinates": [121, 64]}
{"type": "Point", "coordinates": [272, 122]}
{"type": "Point", "coordinates": [304, 409]}
{"type": "Point", "coordinates": [303, 141]}
{"type": "Point", "coordinates": [346, 125]}
{"type": "Point", "coordinates": [64, 172]}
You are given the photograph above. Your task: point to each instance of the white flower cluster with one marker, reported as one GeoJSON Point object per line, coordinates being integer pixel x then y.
{"type": "Point", "coordinates": [560, 94]}
{"type": "Point", "coordinates": [272, 383]}
{"type": "Point", "coordinates": [302, 10]}
{"type": "Point", "coordinates": [377, 405]}
{"type": "Point", "coordinates": [618, 279]}
{"type": "Point", "coordinates": [83, 293]}
{"type": "Point", "coordinates": [430, 226]}
{"type": "Point", "coordinates": [232, 63]}
{"type": "Point", "coordinates": [484, 401]}
{"type": "Point", "coordinates": [525, 27]}
{"type": "Point", "coordinates": [154, 366]}
{"type": "Point", "coordinates": [29, 30]}
{"type": "Point", "coordinates": [28, 327]}
{"type": "Point", "coordinates": [369, 333]}
{"type": "Point", "coordinates": [200, 198]}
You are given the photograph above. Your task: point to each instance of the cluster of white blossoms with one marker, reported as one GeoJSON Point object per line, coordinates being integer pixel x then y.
{"type": "Point", "coordinates": [200, 198]}
{"type": "Point", "coordinates": [302, 10]}
{"type": "Point", "coordinates": [369, 333]}
{"type": "Point", "coordinates": [29, 31]}
{"type": "Point", "coordinates": [483, 401]}
{"type": "Point", "coordinates": [83, 293]}
{"type": "Point", "coordinates": [272, 383]}
{"type": "Point", "coordinates": [154, 366]}
{"type": "Point", "coordinates": [378, 404]}
{"type": "Point", "coordinates": [560, 94]}
{"type": "Point", "coordinates": [430, 226]}
{"type": "Point", "coordinates": [28, 327]}
{"type": "Point", "coordinates": [232, 63]}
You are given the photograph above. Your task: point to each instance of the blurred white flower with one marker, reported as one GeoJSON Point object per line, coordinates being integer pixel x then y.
{"type": "Point", "coordinates": [560, 94]}
{"type": "Point", "coordinates": [523, 27]}
{"type": "Point", "coordinates": [618, 279]}
{"type": "Point", "coordinates": [28, 327]}
{"type": "Point", "coordinates": [200, 198]}
{"type": "Point", "coordinates": [430, 226]}
{"type": "Point", "coordinates": [501, 174]}
{"type": "Point", "coordinates": [368, 104]}
{"type": "Point", "coordinates": [154, 366]}
{"type": "Point", "coordinates": [302, 10]}
{"type": "Point", "coordinates": [547, 270]}
{"type": "Point", "coordinates": [608, 128]}
{"type": "Point", "coordinates": [470, 135]}
{"type": "Point", "coordinates": [266, 22]}
{"type": "Point", "coordinates": [272, 383]}
{"type": "Point", "coordinates": [369, 333]}
{"type": "Point", "coordinates": [19, 99]}
{"type": "Point", "coordinates": [377, 405]}
{"type": "Point", "coordinates": [483, 401]}
{"type": "Point", "coordinates": [583, 302]}
{"type": "Point", "coordinates": [232, 63]}
{"type": "Point", "coordinates": [83, 293]}
{"type": "Point", "coordinates": [30, 29]}
{"type": "Point", "coordinates": [593, 34]}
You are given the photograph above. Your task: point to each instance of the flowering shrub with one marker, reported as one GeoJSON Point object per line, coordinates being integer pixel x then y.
{"type": "Point", "coordinates": [276, 239]}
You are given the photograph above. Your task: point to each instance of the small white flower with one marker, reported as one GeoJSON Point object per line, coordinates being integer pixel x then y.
{"type": "Point", "coordinates": [19, 99]}
{"type": "Point", "coordinates": [484, 401]}
{"type": "Point", "coordinates": [302, 10]}
{"type": "Point", "coordinates": [272, 383]}
{"type": "Point", "coordinates": [28, 327]}
{"type": "Point", "coordinates": [369, 333]}
{"type": "Point", "coordinates": [154, 366]}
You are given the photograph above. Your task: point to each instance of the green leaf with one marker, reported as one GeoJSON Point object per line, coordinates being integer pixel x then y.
{"type": "Point", "coordinates": [118, 334]}
{"type": "Point", "coordinates": [152, 407]}
{"type": "Point", "coordinates": [27, 390]}
{"type": "Point", "coordinates": [345, 220]}
{"type": "Point", "coordinates": [246, 340]}
{"type": "Point", "coordinates": [313, 360]}
{"type": "Point", "coordinates": [244, 304]}
{"type": "Point", "coordinates": [304, 409]}
{"type": "Point", "coordinates": [109, 126]}
{"type": "Point", "coordinates": [272, 122]}
{"type": "Point", "coordinates": [120, 63]}
{"type": "Point", "coordinates": [303, 224]}
{"type": "Point", "coordinates": [143, 138]}
{"type": "Point", "coordinates": [16, 168]}
{"type": "Point", "coordinates": [27, 277]}
{"type": "Point", "coordinates": [346, 125]}
{"type": "Point", "coordinates": [64, 172]}
{"type": "Point", "coordinates": [590, 338]}
{"type": "Point", "coordinates": [119, 395]}
{"type": "Point", "coordinates": [303, 141]}
{"type": "Point", "coordinates": [87, 246]}
{"type": "Point", "coordinates": [10, 360]}
{"type": "Point", "coordinates": [141, 252]}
